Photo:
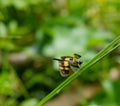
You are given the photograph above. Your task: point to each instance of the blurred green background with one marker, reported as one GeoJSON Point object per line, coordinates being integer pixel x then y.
{"type": "Point", "coordinates": [32, 32]}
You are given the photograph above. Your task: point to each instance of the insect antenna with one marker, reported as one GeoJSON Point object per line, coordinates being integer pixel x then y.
{"type": "Point", "coordinates": [57, 59]}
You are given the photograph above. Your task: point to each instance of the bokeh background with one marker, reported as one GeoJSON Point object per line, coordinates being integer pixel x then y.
{"type": "Point", "coordinates": [32, 32]}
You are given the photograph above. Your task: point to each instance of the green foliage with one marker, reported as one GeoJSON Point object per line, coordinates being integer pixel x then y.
{"type": "Point", "coordinates": [34, 31]}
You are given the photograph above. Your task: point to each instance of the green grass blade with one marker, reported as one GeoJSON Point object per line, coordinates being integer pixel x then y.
{"type": "Point", "coordinates": [112, 46]}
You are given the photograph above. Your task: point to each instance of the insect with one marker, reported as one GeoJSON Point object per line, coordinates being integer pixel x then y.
{"type": "Point", "coordinates": [68, 64]}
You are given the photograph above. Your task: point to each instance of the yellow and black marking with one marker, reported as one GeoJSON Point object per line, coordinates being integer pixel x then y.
{"type": "Point", "coordinates": [68, 64]}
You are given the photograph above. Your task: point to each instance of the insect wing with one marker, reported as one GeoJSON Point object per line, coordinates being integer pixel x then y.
{"type": "Point", "coordinates": [66, 58]}
{"type": "Point", "coordinates": [74, 69]}
{"type": "Point", "coordinates": [65, 69]}
{"type": "Point", "coordinates": [75, 65]}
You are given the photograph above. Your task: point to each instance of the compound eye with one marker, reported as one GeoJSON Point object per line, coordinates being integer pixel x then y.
{"type": "Point", "coordinates": [80, 62]}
